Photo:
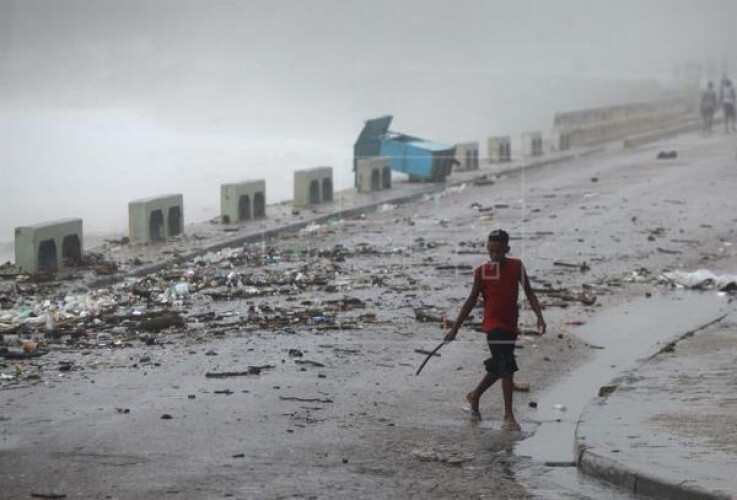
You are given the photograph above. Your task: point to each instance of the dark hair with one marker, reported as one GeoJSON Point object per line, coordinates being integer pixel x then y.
{"type": "Point", "coordinates": [499, 235]}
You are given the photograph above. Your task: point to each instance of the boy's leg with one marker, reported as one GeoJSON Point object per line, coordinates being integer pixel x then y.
{"type": "Point", "coordinates": [510, 423]}
{"type": "Point", "coordinates": [474, 396]}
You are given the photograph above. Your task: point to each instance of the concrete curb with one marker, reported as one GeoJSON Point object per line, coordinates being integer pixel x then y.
{"type": "Point", "coordinates": [650, 137]}
{"type": "Point", "coordinates": [635, 481]}
{"type": "Point", "coordinates": [638, 483]}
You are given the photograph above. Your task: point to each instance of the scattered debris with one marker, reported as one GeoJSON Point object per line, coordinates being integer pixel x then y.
{"type": "Point", "coordinates": [667, 155]}
{"type": "Point", "coordinates": [308, 362]}
{"type": "Point", "coordinates": [583, 266]}
{"type": "Point", "coordinates": [305, 400]}
{"type": "Point", "coordinates": [606, 390]}
{"type": "Point", "coordinates": [252, 370]}
{"type": "Point", "coordinates": [702, 279]}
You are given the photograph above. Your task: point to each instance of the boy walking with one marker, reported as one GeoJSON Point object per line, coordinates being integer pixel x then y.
{"type": "Point", "coordinates": [497, 281]}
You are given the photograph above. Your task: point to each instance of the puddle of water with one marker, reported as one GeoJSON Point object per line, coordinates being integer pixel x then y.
{"type": "Point", "coordinates": [626, 333]}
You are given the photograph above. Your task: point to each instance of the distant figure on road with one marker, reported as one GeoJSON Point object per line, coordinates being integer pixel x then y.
{"type": "Point", "coordinates": [708, 106]}
{"type": "Point", "coordinates": [728, 102]}
{"type": "Point", "coordinates": [497, 281]}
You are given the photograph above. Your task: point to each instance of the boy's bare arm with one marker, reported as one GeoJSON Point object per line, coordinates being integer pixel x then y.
{"type": "Point", "coordinates": [532, 298]}
{"type": "Point", "coordinates": [466, 309]}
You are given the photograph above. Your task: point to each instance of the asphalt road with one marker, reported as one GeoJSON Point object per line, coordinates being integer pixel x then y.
{"type": "Point", "coordinates": [364, 425]}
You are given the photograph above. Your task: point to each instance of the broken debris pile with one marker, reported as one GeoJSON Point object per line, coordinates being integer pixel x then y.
{"type": "Point", "coordinates": [702, 279]}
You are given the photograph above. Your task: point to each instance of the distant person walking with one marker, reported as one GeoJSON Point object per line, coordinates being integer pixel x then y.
{"type": "Point", "coordinates": [708, 106]}
{"type": "Point", "coordinates": [497, 281]}
{"type": "Point", "coordinates": [728, 103]}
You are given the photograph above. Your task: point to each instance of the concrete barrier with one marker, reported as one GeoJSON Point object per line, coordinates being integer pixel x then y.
{"type": "Point", "coordinates": [467, 156]}
{"type": "Point", "coordinates": [560, 140]}
{"type": "Point", "coordinates": [49, 246]}
{"type": "Point", "coordinates": [598, 125]}
{"type": "Point", "coordinates": [532, 144]}
{"type": "Point", "coordinates": [156, 218]}
{"type": "Point", "coordinates": [373, 174]}
{"type": "Point", "coordinates": [313, 186]}
{"type": "Point", "coordinates": [500, 149]}
{"type": "Point", "coordinates": [243, 201]}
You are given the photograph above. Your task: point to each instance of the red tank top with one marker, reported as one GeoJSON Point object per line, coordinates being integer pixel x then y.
{"type": "Point", "coordinates": [500, 289]}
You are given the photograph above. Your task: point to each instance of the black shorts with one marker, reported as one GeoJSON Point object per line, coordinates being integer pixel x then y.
{"type": "Point", "coordinates": [502, 362]}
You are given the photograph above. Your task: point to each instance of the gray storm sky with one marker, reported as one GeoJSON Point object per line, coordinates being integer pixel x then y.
{"type": "Point", "coordinates": [90, 50]}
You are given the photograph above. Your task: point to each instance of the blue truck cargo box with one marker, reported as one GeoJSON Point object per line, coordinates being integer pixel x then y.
{"type": "Point", "coordinates": [422, 160]}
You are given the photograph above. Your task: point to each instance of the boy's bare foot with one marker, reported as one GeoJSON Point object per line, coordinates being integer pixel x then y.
{"type": "Point", "coordinates": [510, 424]}
{"type": "Point", "coordinates": [473, 403]}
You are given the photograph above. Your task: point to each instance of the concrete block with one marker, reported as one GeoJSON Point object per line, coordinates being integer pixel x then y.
{"type": "Point", "coordinates": [467, 156]}
{"type": "Point", "coordinates": [562, 141]}
{"type": "Point", "coordinates": [49, 246]}
{"type": "Point", "coordinates": [532, 144]}
{"type": "Point", "coordinates": [243, 201]}
{"type": "Point", "coordinates": [313, 186]}
{"type": "Point", "coordinates": [500, 149]}
{"type": "Point", "coordinates": [373, 174]}
{"type": "Point", "coordinates": [156, 218]}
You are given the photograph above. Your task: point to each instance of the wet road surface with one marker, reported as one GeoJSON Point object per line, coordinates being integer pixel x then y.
{"type": "Point", "coordinates": [362, 425]}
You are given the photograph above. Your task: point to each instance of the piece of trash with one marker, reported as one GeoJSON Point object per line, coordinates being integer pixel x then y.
{"type": "Point", "coordinates": [559, 407]}
{"type": "Point", "coordinates": [521, 386]}
{"type": "Point", "coordinates": [239, 455]}
{"type": "Point", "coordinates": [667, 155]}
{"type": "Point", "coordinates": [191, 396]}
{"type": "Point", "coordinates": [227, 392]}
{"type": "Point", "coordinates": [587, 299]}
{"type": "Point", "coordinates": [162, 321]}
{"type": "Point", "coordinates": [123, 410]}
{"type": "Point", "coordinates": [166, 416]}
{"type": "Point", "coordinates": [252, 370]}
{"type": "Point", "coordinates": [306, 400]}
{"type": "Point", "coordinates": [583, 266]}
{"type": "Point", "coordinates": [532, 404]}
{"type": "Point", "coordinates": [180, 289]}
{"type": "Point", "coordinates": [606, 390]}
{"type": "Point", "coordinates": [29, 346]}
{"type": "Point", "coordinates": [308, 362]}
{"type": "Point", "coordinates": [295, 353]}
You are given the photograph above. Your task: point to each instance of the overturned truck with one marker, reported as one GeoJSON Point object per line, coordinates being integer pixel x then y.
{"type": "Point", "coordinates": [422, 160]}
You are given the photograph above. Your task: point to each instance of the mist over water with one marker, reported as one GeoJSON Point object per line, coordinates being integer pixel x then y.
{"type": "Point", "coordinates": [103, 102]}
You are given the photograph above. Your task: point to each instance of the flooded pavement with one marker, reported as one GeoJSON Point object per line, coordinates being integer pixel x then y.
{"type": "Point", "coordinates": [286, 368]}
{"type": "Point", "coordinates": [668, 428]}
{"type": "Point", "coordinates": [621, 336]}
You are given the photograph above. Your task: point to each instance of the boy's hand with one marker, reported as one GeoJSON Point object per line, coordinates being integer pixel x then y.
{"type": "Point", "coordinates": [450, 336]}
{"type": "Point", "coordinates": [541, 326]}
